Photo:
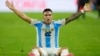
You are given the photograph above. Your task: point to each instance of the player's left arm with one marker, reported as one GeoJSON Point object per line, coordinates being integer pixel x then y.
{"type": "Point", "coordinates": [86, 8]}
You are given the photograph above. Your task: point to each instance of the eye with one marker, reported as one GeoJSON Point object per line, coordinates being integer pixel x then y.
{"type": "Point", "coordinates": [49, 15]}
{"type": "Point", "coordinates": [46, 15]}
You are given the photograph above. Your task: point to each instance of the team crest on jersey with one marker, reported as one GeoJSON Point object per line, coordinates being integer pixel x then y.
{"type": "Point", "coordinates": [47, 30]}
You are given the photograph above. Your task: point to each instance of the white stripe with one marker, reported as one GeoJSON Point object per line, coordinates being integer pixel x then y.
{"type": "Point", "coordinates": [52, 41]}
{"type": "Point", "coordinates": [37, 37]}
{"type": "Point", "coordinates": [43, 35]}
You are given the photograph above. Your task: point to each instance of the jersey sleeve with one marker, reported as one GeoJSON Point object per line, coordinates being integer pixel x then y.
{"type": "Point", "coordinates": [61, 21]}
{"type": "Point", "coordinates": [34, 21]}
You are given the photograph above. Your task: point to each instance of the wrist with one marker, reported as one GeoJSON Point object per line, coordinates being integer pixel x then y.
{"type": "Point", "coordinates": [12, 8]}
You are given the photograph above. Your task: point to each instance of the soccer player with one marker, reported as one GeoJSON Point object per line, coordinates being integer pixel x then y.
{"type": "Point", "coordinates": [47, 31]}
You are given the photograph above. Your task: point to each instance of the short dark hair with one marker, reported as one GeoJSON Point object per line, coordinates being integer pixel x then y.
{"type": "Point", "coordinates": [47, 9]}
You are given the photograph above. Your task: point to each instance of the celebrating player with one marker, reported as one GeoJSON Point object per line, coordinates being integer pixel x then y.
{"type": "Point", "coordinates": [47, 31]}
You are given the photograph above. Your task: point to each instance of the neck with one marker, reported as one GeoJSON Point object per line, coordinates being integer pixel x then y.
{"type": "Point", "coordinates": [47, 23]}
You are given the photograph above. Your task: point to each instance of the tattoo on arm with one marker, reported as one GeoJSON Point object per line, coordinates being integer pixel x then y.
{"type": "Point", "coordinates": [73, 17]}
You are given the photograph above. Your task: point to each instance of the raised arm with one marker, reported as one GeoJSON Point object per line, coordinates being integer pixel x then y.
{"type": "Point", "coordinates": [17, 12]}
{"type": "Point", "coordinates": [76, 15]}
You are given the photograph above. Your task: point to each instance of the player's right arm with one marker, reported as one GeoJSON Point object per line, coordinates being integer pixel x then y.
{"type": "Point", "coordinates": [17, 12]}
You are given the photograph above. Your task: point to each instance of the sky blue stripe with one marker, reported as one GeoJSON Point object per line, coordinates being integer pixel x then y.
{"type": "Point", "coordinates": [56, 27]}
{"type": "Point", "coordinates": [39, 26]}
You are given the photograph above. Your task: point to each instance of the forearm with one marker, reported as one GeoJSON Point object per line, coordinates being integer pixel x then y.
{"type": "Point", "coordinates": [73, 17]}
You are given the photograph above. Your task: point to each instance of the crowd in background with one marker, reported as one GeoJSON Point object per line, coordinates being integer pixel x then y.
{"type": "Point", "coordinates": [95, 5]}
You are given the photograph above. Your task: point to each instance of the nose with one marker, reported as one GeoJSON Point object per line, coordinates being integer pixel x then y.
{"type": "Point", "coordinates": [48, 17]}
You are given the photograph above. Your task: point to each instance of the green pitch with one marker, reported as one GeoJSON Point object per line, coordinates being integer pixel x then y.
{"type": "Point", "coordinates": [81, 36]}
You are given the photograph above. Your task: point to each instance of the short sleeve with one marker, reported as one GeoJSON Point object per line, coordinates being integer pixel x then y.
{"type": "Point", "coordinates": [33, 21]}
{"type": "Point", "coordinates": [61, 21]}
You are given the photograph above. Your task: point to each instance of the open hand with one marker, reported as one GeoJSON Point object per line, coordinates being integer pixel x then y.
{"type": "Point", "coordinates": [87, 7]}
{"type": "Point", "coordinates": [10, 5]}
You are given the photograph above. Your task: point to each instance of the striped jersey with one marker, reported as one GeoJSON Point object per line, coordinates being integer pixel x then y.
{"type": "Point", "coordinates": [47, 34]}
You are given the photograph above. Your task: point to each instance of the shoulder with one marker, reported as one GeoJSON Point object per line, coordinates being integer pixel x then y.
{"type": "Point", "coordinates": [36, 22]}
{"type": "Point", "coordinates": [60, 21]}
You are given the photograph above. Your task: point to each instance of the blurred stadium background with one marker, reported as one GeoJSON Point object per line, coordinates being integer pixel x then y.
{"type": "Point", "coordinates": [17, 37]}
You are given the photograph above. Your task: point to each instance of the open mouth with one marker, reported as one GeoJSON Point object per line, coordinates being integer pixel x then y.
{"type": "Point", "coordinates": [48, 19]}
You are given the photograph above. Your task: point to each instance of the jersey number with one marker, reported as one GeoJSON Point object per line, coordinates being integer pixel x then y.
{"type": "Point", "coordinates": [48, 33]}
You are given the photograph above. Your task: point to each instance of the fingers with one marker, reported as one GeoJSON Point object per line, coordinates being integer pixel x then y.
{"type": "Point", "coordinates": [87, 7]}
{"type": "Point", "coordinates": [12, 3]}
{"type": "Point", "coordinates": [7, 2]}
